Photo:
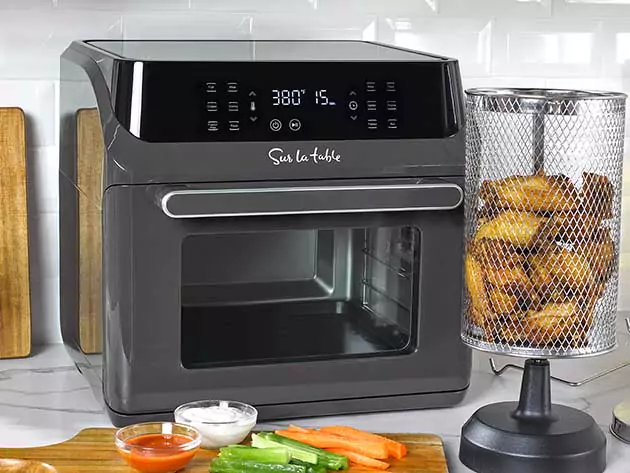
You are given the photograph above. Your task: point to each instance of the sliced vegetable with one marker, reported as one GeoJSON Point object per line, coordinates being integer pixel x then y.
{"type": "Point", "coordinates": [266, 440]}
{"type": "Point", "coordinates": [279, 455]}
{"type": "Point", "coordinates": [330, 461]}
{"type": "Point", "coordinates": [226, 465]}
{"type": "Point", "coordinates": [395, 449]}
{"type": "Point", "coordinates": [309, 468]}
{"type": "Point", "coordinates": [361, 460]}
{"type": "Point", "coordinates": [369, 448]}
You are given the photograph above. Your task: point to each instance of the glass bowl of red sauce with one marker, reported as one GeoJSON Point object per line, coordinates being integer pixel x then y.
{"type": "Point", "coordinates": [157, 447]}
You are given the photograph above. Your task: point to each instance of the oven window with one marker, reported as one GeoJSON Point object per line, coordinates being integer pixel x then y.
{"type": "Point", "coordinates": [292, 295]}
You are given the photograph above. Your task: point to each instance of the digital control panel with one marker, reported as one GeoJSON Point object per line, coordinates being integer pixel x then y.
{"type": "Point", "coordinates": [295, 101]}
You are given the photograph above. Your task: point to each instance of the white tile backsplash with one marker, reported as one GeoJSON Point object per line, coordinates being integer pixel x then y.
{"type": "Point", "coordinates": [503, 8]}
{"type": "Point", "coordinates": [468, 39]}
{"type": "Point", "coordinates": [186, 25]}
{"type": "Point", "coordinates": [37, 99]}
{"type": "Point", "coordinates": [499, 43]}
{"type": "Point", "coordinates": [591, 8]}
{"type": "Point", "coordinates": [43, 167]}
{"type": "Point", "coordinates": [317, 25]}
{"type": "Point", "coordinates": [390, 7]}
{"type": "Point", "coordinates": [31, 41]}
{"type": "Point", "coordinates": [44, 232]}
{"type": "Point", "coordinates": [551, 48]}
{"type": "Point", "coordinates": [249, 6]}
{"type": "Point", "coordinates": [123, 5]}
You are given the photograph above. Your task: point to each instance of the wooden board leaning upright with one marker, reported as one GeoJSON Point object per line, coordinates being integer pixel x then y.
{"type": "Point", "coordinates": [15, 291]}
{"type": "Point", "coordinates": [89, 180]}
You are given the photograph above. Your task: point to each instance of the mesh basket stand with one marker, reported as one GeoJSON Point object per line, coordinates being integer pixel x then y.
{"type": "Point", "coordinates": [573, 384]}
{"type": "Point", "coordinates": [543, 180]}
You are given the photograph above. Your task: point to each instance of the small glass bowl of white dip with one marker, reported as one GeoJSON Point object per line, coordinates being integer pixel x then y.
{"type": "Point", "coordinates": [220, 423]}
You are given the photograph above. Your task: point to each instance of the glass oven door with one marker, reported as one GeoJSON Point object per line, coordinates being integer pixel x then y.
{"type": "Point", "coordinates": [283, 293]}
{"type": "Point", "coordinates": [291, 295]}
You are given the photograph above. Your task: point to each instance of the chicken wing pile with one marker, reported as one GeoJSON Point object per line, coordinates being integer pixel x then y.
{"type": "Point", "coordinates": [540, 259]}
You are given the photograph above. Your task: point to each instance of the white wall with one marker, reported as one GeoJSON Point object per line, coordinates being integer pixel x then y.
{"type": "Point", "coordinates": [555, 43]}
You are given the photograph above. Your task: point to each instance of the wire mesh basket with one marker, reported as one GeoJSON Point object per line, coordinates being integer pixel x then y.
{"type": "Point", "coordinates": [543, 209]}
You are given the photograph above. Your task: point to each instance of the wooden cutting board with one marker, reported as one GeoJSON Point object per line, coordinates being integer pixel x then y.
{"type": "Point", "coordinates": [93, 450]}
{"type": "Point", "coordinates": [15, 292]}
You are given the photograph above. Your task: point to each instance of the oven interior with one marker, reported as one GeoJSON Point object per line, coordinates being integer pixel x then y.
{"type": "Point", "coordinates": [291, 295]}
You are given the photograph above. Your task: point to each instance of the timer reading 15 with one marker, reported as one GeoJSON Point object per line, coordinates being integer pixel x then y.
{"type": "Point", "coordinates": [293, 97]}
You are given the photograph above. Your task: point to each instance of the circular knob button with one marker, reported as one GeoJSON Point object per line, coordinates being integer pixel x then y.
{"type": "Point", "coordinates": [295, 124]}
{"type": "Point", "coordinates": [275, 124]}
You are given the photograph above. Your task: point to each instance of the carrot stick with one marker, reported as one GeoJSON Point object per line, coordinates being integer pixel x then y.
{"type": "Point", "coordinates": [395, 449]}
{"type": "Point", "coordinates": [295, 428]}
{"type": "Point", "coordinates": [319, 439]}
{"type": "Point", "coordinates": [359, 459]}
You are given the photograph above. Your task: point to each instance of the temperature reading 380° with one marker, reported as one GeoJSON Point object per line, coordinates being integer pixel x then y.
{"type": "Point", "coordinates": [287, 97]}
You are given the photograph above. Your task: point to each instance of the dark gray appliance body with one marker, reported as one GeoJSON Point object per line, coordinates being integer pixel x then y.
{"type": "Point", "coordinates": [214, 223]}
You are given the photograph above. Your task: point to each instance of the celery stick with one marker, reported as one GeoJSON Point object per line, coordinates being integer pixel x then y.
{"type": "Point", "coordinates": [225, 465]}
{"type": "Point", "coordinates": [330, 461]}
{"type": "Point", "coordinates": [309, 468]}
{"type": "Point", "coordinates": [261, 455]}
{"type": "Point", "coordinates": [261, 441]}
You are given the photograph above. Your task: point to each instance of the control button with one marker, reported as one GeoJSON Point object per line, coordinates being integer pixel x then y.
{"type": "Point", "coordinates": [252, 106]}
{"type": "Point", "coordinates": [371, 105]}
{"type": "Point", "coordinates": [353, 117]}
{"type": "Point", "coordinates": [370, 86]}
{"type": "Point", "coordinates": [390, 86]}
{"type": "Point", "coordinates": [211, 87]}
{"type": "Point", "coordinates": [275, 124]}
{"type": "Point", "coordinates": [232, 87]}
{"type": "Point", "coordinates": [392, 105]}
{"type": "Point", "coordinates": [372, 124]}
{"type": "Point", "coordinates": [353, 105]}
{"type": "Point", "coordinates": [392, 123]}
{"type": "Point", "coordinates": [253, 119]}
{"type": "Point", "coordinates": [213, 125]}
{"type": "Point", "coordinates": [235, 125]}
{"type": "Point", "coordinates": [252, 93]}
{"type": "Point", "coordinates": [233, 106]}
{"type": "Point", "coordinates": [212, 106]}
{"type": "Point", "coordinates": [353, 93]}
{"type": "Point", "coordinates": [295, 124]}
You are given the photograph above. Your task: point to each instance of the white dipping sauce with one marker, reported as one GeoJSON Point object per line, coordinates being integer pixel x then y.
{"type": "Point", "coordinates": [220, 425]}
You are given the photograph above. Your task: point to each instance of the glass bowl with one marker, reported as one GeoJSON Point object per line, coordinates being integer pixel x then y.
{"type": "Point", "coordinates": [220, 423]}
{"type": "Point", "coordinates": [157, 447]}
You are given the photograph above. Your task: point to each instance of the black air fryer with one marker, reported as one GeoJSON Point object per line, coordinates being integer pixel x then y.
{"type": "Point", "coordinates": [278, 222]}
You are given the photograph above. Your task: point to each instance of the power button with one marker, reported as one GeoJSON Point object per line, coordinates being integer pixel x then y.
{"type": "Point", "coordinates": [275, 125]}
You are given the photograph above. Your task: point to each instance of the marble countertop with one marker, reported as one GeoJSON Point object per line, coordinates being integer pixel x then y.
{"type": "Point", "coordinates": [44, 400]}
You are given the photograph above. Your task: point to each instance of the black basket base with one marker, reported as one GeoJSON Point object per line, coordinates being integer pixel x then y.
{"type": "Point", "coordinates": [532, 435]}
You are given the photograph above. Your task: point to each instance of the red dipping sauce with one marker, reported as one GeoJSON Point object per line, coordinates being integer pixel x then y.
{"type": "Point", "coordinates": [159, 453]}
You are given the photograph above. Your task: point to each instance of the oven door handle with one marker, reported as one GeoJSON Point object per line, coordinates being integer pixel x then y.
{"type": "Point", "coordinates": [209, 203]}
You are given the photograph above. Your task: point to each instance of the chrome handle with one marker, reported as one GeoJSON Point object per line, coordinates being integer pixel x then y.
{"type": "Point", "coordinates": [210, 203]}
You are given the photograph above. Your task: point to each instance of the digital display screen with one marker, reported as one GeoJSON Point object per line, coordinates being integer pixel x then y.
{"type": "Point", "coordinates": [295, 101]}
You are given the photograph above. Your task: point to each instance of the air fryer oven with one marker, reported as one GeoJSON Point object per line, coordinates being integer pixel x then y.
{"type": "Point", "coordinates": [275, 222]}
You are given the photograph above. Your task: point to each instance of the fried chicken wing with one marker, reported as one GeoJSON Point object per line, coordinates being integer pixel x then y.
{"type": "Point", "coordinates": [597, 195]}
{"type": "Point", "coordinates": [504, 302]}
{"type": "Point", "coordinates": [561, 271]}
{"type": "Point", "coordinates": [476, 287]}
{"type": "Point", "coordinates": [573, 226]}
{"type": "Point", "coordinates": [507, 332]}
{"type": "Point", "coordinates": [600, 253]}
{"type": "Point", "coordinates": [558, 323]}
{"type": "Point", "coordinates": [534, 193]}
{"type": "Point", "coordinates": [498, 252]}
{"type": "Point", "coordinates": [519, 229]}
